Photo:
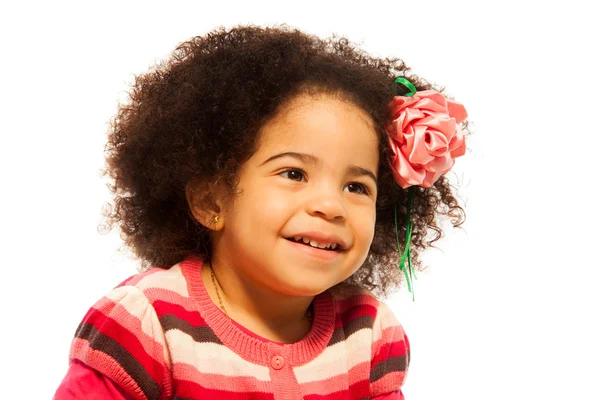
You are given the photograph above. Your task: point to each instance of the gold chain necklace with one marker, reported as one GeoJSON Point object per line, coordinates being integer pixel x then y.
{"type": "Point", "coordinates": [309, 313]}
{"type": "Point", "coordinates": [214, 281]}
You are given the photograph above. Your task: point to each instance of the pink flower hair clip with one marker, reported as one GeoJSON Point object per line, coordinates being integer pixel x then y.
{"type": "Point", "coordinates": [425, 138]}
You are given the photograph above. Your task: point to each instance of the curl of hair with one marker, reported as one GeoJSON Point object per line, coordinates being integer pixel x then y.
{"type": "Point", "coordinates": [196, 116]}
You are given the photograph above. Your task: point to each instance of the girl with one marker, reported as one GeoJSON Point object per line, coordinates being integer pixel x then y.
{"type": "Point", "coordinates": [259, 175]}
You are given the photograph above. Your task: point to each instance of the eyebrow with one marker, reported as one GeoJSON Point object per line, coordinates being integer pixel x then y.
{"type": "Point", "coordinates": [358, 171]}
{"type": "Point", "coordinates": [310, 159]}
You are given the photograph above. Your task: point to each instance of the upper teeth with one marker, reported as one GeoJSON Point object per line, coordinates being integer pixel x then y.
{"type": "Point", "coordinates": [314, 243]}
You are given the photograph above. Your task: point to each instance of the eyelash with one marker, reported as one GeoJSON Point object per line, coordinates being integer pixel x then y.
{"type": "Point", "coordinates": [363, 187]}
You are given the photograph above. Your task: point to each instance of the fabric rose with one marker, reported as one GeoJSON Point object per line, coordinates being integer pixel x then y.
{"type": "Point", "coordinates": [425, 137]}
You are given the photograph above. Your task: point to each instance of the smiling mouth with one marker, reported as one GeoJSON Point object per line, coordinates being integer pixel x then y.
{"type": "Point", "coordinates": [333, 247]}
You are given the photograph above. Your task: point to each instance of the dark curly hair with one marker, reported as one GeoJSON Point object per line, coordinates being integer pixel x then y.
{"type": "Point", "coordinates": [195, 117]}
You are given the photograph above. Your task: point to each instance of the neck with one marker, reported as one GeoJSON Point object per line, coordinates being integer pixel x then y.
{"type": "Point", "coordinates": [273, 315]}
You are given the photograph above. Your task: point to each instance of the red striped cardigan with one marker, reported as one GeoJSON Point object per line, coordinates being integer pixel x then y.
{"type": "Point", "coordinates": [158, 335]}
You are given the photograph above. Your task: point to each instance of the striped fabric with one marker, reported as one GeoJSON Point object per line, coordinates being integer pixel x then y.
{"type": "Point", "coordinates": [158, 335]}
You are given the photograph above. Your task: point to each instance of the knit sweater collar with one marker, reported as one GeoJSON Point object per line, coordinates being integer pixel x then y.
{"type": "Point", "coordinates": [249, 347]}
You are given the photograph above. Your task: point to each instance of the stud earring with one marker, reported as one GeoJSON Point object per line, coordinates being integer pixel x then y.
{"type": "Point", "coordinates": [215, 219]}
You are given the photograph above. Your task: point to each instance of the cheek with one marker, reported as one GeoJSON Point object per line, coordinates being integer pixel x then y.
{"type": "Point", "coordinates": [364, 231]}
{"type": "Point", "coordinates": [364, 226]}
{"type": "Point", "coordinates": [262, 207]}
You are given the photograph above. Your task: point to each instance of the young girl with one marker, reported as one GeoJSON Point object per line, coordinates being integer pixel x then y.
{"type": "Point", "coordinates": [263, 177]}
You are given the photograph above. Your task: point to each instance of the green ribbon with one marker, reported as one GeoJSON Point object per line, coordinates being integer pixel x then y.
{"type": "Point", "coordinates": [405, 256]}
{"type": "Point", "coordinates": [406, 83]}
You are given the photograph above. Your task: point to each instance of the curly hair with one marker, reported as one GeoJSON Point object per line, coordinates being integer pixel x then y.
{"type": "Point", "coordinates": [196, 117]}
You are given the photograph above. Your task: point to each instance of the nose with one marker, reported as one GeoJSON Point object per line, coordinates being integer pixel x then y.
{"type": "Point", "coordinates": [327, 203]}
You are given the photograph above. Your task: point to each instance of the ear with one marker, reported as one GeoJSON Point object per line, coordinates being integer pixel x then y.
{"type": "Point", "coordinates": [206, 204]}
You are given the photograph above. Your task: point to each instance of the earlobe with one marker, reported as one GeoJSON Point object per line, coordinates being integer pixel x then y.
{"type": "Point", "coordinates": [216, 222]}
{"type": "Point", "coordinates": [203, 207]}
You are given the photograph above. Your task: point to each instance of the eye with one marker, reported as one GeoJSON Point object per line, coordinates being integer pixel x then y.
{"type": "Point", "coordinates": [293, 174]}
{"type": "Point", "coordinates": [357, 188]}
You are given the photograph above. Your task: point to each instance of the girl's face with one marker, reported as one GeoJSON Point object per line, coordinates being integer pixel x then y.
{"type": "Point", "coordinates": [312, 178]}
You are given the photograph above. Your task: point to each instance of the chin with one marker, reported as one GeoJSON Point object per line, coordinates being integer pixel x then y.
{"type": "Point", "coordinates": [303, 288]}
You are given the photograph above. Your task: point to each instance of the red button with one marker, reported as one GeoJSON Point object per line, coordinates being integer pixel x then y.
{"type": "Point", "coordinates": [277, 362]}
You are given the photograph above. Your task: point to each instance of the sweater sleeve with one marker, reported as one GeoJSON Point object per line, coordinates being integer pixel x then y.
{"type": "Point", "coordinates": [395, 395]}
{"type": "Point", "coordinates": [82, 382]}
{"type": "Point", "coordinates": [121, 338]}
{"type": "Point", "coordinates": [390, 355]}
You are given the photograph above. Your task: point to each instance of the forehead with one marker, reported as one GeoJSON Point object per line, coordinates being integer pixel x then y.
{"type": "Point", "coordinates": [325, 126]}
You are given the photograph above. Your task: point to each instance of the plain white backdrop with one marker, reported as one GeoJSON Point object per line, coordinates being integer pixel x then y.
{"type": "Point", "coordinates": [509, 306]}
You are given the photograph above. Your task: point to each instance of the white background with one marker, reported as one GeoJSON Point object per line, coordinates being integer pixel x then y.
{"type": "Point", "coordinates": [509, 307]}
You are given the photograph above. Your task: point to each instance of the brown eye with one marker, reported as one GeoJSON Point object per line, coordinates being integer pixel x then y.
{"type": "Point", "coordinates": [293, 174]}
{"type": "Point", "coordinates": [357, 188]}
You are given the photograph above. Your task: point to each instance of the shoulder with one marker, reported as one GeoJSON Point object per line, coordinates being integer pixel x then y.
{"type": "Point", "coordinates": [351, 302]}
{"type": "Point", "coordinates": [158, 279]}
{"type": "Point", "coordinates": [121, 335]}
{"type": "Point", "coordinates": [360, 311]}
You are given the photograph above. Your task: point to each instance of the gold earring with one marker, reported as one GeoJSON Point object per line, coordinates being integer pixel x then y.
{"type": "Point", "coordinates": [215, 219]}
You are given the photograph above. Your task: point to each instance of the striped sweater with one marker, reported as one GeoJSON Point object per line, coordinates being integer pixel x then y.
{"type": "Point", "coordinates": [158, 335]}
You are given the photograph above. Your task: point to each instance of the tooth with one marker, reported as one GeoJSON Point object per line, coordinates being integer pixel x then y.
{"type": "Point", "coordinates": [305, 240]}
{"type": "Point", "coordinates": [334, 246]}
{"type": "Point", "coordinates": [297, 238]}
{"type": "Point", "coordinates": [314, 244]}
{"type": "Point", "coordinates": [323, 246]}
